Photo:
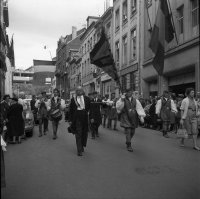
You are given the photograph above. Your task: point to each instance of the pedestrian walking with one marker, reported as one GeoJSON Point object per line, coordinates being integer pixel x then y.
{"type": "Point", "coordinates": [78, 117]}
{"type": "Point", "coordinates": [95, 115]}
{"type": "Point", "coordinates": [55, 106]}
{"type": "Point", "coordinates": [130, 109]}
{"type": "Point", "coordinates": [104, 109]}
{"type": "Point", "coordinates": [189, 114]}
{"type": "Point", "coordinates": [112, 112]}
{"type": "Point", "coordinates": [15, 121]}
{"type": "Point", "coordinates": [164, 107]}
{"type": "Point", "coordinates": [42, 115]}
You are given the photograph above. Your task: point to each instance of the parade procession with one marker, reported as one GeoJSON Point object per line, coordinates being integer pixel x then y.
{"type": "Point", "coordinates": [110, 110]}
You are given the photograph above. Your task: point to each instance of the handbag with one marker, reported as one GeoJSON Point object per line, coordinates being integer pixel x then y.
{"type": "Point", "coordinates": [182, 133]}
{"type": "Point", "coordinates": [56, 114]}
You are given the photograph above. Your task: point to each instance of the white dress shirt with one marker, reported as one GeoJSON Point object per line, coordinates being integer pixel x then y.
{"type": "Point", "coordinates": [159, 104]}
{"type": "Point", "coordinates": [81, 102]}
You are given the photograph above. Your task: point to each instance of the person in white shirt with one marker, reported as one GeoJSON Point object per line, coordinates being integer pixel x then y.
{"type": "Point", "coordinates": [55, 105]}
{"type": "Point", "coordinates": [130, 108]}
{"type": "Point", "coordinates": [164, 107]}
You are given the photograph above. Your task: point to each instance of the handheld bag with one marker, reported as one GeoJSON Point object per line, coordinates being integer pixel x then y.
{"type": "Point", "coordinates": [182, 133]}
{"type": "Point", "coordinates": [56, 114]}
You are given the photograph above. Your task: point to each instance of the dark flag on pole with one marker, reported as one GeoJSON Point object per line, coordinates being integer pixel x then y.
{"type": "Point", "coordinates": [162, 31]}
{"type": "Point", "coordinates": [102, 57]}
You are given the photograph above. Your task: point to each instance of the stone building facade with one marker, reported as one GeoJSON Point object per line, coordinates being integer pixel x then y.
{"type": "Point", "coordinates": [4, 44]}
{"type": "Point", "coordinates": [126, 42]}
{"type": "Point", "coordinates": [88, 40]}
{"type": "Point", "coordinates": [65, 45]}
{"type": "Point", "coordinates": [181, 65]}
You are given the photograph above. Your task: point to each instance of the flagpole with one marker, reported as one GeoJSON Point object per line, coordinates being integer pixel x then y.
{"type": "Point", "coordinates": [148, 15]}
{"type": "Point", "coordinates": [173, 21]}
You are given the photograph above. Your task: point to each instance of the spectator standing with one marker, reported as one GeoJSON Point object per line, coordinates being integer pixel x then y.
{"type": "Point", "coordinates": [15, 121]}
{"type": "Point", "coordinates": [152, 113]}
{"type": "Point", "coordinates": [5, 104]}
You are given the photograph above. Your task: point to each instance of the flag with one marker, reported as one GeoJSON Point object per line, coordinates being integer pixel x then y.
{"type": "Point", "coordinates": [162, 31]}
{"type": "Point", "coordinates": [11, 54]}
{"type": "Point", "coordinates": [102, 57]}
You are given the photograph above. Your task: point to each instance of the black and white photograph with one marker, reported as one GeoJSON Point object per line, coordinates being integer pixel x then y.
{"type": "Point", "coordinates": [99, 99]}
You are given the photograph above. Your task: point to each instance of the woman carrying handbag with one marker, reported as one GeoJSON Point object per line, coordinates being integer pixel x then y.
{"type": "Point", "coordinates": [55, 106]}
{"type": "Point", "coordinates": [189, 114]}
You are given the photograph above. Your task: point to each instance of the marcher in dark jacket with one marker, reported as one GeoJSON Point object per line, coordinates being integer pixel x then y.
{"type": "Point", "coordinates": [131, 109]}
{"type": "Point", "coordinates": [95, 115]}
{"type": "Point", "coordinates": [78, 117]}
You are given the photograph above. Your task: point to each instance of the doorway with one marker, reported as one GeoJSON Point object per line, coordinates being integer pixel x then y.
{"type": "Point", "coordinates": [180, 89]}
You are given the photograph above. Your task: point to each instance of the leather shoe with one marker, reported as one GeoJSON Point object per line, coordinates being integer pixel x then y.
{"type": "Point", "coordinates": [166, 136]}
{"type": "Point", "coordinates": [80, 154]}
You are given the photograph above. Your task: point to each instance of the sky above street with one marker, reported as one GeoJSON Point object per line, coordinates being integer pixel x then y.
{"type": "Point", "coordinates": [36, 23]}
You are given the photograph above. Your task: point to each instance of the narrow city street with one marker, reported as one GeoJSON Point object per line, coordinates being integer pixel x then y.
{"type": "Point", "coordinates": [43, 168]}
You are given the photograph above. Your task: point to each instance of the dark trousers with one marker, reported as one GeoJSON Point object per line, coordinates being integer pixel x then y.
{"type": "Point", "coordinates": [110, 123]}
{"type": "Point", "coordinates": [104, 120]}
{"type": "Point", "coordinates": [55, 126]}
{"type": "Point", "coordinates": [81, 136]}
{"type": "Point", "coordinates": [43, 122]}
{"type": "Point", "coordinates": [94, 129]}
{"type": "Point", "coordinates": [130, 132]}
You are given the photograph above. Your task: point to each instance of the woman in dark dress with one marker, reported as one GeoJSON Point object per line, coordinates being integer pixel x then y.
{"type": "Point", "coordinates": [15, 121]}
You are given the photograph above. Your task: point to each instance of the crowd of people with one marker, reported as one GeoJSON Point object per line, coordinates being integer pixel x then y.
{"type": "Point", "coordinates": [84, 114]}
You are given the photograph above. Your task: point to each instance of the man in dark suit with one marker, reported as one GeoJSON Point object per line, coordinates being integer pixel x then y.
{"type": "Point", "coordinates": [78, 118]}
{"type": "Point", "coordinates": [95, 115]}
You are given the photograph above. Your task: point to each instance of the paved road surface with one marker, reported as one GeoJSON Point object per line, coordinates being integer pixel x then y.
{"type": "Point", "coordinates": [42, 168]}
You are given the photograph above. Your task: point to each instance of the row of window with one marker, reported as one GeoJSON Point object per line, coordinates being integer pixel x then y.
{"type": "Point", "coordinates": [128, 81]}
{"type": "Point", "coordinates": [194, 16]}
{"type": "Point", "coordinates": [133, 48]}
{"type": "Point", "coordinates": [133, 8]}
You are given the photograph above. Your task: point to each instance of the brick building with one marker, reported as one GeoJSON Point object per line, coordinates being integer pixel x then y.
{"type": "Point", "coordinates": [44, 72]}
